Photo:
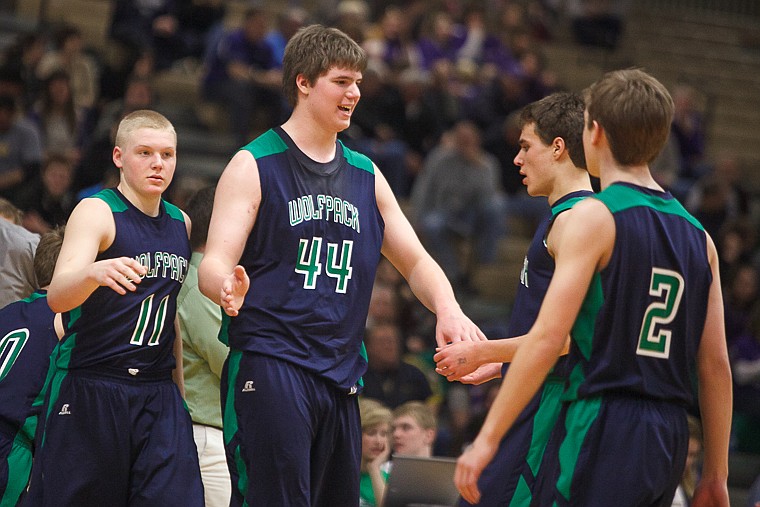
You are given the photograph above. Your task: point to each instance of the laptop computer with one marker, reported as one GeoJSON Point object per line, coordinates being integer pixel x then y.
{"type": "Point", "coordinates": [418, 482]}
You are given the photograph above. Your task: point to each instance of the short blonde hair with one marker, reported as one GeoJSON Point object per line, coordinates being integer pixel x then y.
{"type": "Point", "coordinates": [142, 119]}
{"type": "Point", "coordinates": [420, 412]}
{"type": "Point", "coordinates": [373, 413]}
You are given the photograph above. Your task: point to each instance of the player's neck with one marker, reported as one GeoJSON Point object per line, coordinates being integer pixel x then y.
{"type": "Point", "coordinates": [316, 142]}
{"type": "Point", "coordinates": [573, 179]}
{"type": "Point", "coordinates": [148, 204]}
{"type": "Point", "coordinates": [637, 175]}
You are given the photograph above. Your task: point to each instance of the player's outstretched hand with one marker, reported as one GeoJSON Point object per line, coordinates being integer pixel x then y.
{"type": "Point", "coordinates": [457, 360]}
{"type": "Point", "coordinates": [710, 494]}
{"type": "Point", "coordinates": [121, 274]}
{"type": "Point", "coordinates": [483, 374]}
{"type": "Point", "coordinates": [454, 326]}
{"type": "Point", "coordinates": [469, 467]}
{"type": "Point", "coordinates": [234, 289]}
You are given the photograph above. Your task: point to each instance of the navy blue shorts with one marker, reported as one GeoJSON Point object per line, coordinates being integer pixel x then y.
{"type": "Point", "coordinates": [291, 438]}
{"type": "Point", "coordinates": [621, 451]}
{"type": "Point", "coordinates": [509, 478]}
{"type": "Point", "coordinates": [116, 442]}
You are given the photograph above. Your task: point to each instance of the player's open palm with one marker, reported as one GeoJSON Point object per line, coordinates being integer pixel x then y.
{"type": "Point", "coordinates": [234, 289]}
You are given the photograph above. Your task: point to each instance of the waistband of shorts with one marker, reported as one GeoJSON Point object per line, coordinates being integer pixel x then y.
{"type": "Point", "coordinates": [135, 375]}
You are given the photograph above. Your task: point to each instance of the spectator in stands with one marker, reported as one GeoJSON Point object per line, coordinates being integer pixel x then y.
{"type": "Point", "coordinates": [20, 60]}
{"type": "Point", "coordinates": [352, 17]}
{"type": "Point", "coordinates": [62, 126]}
{"type": "Point", "coordinates": [17, 247]}
{"type": "Point", "coordinates": [741, 293]}
{"type": "Point", "coordinates": [391, 43]}
{"type": "Point", "coordinates": [148, 26]}
{"type": "Point", "coordinates": [376, 446]}
{"type": "Point", "coordinates": [289, 20]}
{"type": "Point", "coordinates": [203, 357]}
{"type": "Point", "coordinates": [481, 46]}
{"type": "Point", "coordinates": [458, 196]}
{"type": "Point", "coordinates": [48, 199]}
{"type": "Point", "coordinates": [374, 128]}
{"type": "Point", "coordinates": [242, 75]}
{"type": "Point", "coordinates": [414, 429]}
{"type": "Point", "coordinates": [745, 366]}
{"type": "Point", "coordinates": [422, 124]}
{"type": "Point", "coordinates": [21, 149]}
{"type": "Point", "coordinates": [441, 40]}
{"type": "Point", "coordinates": [200, 21]}
{"type": "Point", "coordinates": [389, 379]}
{"type": "Point", "coordinates": [69, 55]}
{"type": "Point", "coordinates": [685, 490]}
{"type": "Point", "coordinates": [689, 131]}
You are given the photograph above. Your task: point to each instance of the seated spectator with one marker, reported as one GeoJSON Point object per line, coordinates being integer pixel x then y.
{"type": "Point", "coordinates": [199, 21]}
{"type": "Point", "coordinates": [744, 353]}
{"type": "Point", "coordinates": [441, 40]}
{"type": "Point", "coordinates": [62, 126]}
{"type": "Point", "coordinates": [414, 429]}
{"type": "Point", "coordinates": [691, 471]}
{"type": "Point", "coordinates": [20, 60]}
{"type": "Point", "coordinates": [389, 379]}
{"type": "Point", "coordinates": [69, 56]}
{"type": "Point", "coordinates": [391, 43]}
{"type": "Point", "coordinates": [689, 131]}
{"type": "Point", "coordinates": [17, 247]}
{"type": "Point", "coordinates": [376, 447]}
{"type": "Point", "coordinates": [458, 196]}
{"type": "Point", "coordinates": [242, 75]}
{"type": "Point", "coordinates": [289, 21]}
{"type": "Point", "coordinates": [148, 26]}
{"type": "Point", "coordinates": [47, 200]}
{"type": "Point", "coordinates": [21, 149]}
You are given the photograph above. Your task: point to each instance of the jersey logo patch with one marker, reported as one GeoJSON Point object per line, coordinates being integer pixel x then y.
{"type": "Point", "coordinates": [64, 410]}
{"type": "Point", "coordinates": [248, 386]}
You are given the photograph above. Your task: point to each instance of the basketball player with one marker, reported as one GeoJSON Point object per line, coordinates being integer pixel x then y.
{"type": "Point", "coordinates": [650, 271]}
{"type": "Point", "coordinates": [29, 332]}
{"type": "Point", "coordinates": [116, 429]}
{"type": "Point", "coordinates": [302, 221]}
{"type": "Point", "coordinates": [552, 161]}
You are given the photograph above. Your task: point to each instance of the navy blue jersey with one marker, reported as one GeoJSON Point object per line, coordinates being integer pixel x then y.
{"type": "Point", "coordinates": [27, 338]}
{"type": "Point", "coordinates": [311, 257]}
{"type": "Point", "coordinates": [135, 332]}
{"type": "Point", "coordinates": [651, 300]}
{"type": "Point", "coordinates": [538, 268]}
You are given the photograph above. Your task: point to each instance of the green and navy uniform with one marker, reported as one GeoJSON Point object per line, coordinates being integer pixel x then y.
{"type": "Point", "coordinates": [112, 405]}
{"type": "Point", "coordinates": [509, 478]}
{"type": "Point", "coordinates": [27, 338]}
{"type": "Point", "coordinates": [297, 356]}
{"type": "Point", "coordinates": [633, 364]}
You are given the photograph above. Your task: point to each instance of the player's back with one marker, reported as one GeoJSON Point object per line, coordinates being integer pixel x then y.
{"type": "Point", "coordinates": [652, 300]}
{"type": "Point", "coordinates": [27, 338]}
{"type": "Point", "coordinates": [133, 332]}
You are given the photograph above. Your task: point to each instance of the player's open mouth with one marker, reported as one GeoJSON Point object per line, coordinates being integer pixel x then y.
{"type": "Point", "coordinates": [346, 109]}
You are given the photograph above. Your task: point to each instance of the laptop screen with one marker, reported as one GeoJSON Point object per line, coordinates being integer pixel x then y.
{"type": "Point", "coordinates": [415, 481]}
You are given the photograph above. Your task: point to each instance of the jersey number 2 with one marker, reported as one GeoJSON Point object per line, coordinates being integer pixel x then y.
{"type": "Point", "coordinates": [654, 339]}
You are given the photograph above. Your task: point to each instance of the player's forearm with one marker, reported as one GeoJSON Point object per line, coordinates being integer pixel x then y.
{"type": "Point", "coordinates": [430, 285]}
{"type": "Point", "coordinates": [211, 275]}
{"type": "Point", "coordinates": [69, 290]}
{"type": "Point", "coordinates": [716, 405]}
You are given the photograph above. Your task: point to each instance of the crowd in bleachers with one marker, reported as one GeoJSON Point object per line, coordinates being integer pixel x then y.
{"type": "Point", "coordinates": [438, 71]}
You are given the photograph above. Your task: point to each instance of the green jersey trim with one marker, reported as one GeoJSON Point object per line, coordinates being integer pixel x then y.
{"type": "Point", "coordinates": [620, 198]}
{"type": "Point", "coordinates": [114, 202]}
{"type": "Point", "coordinates": [268, 143]}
